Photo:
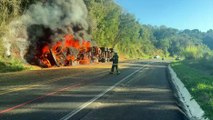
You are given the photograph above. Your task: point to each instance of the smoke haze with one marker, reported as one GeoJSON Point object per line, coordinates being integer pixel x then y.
{"type": "Point", "coordinates": [46, 22]}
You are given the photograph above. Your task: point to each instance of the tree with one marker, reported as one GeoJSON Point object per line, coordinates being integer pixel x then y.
{"type": "Point", "coordinates": [128, 29]}
{"type": "Point", "coordinates": [104, 20]}
{"type": "Point", "coordinates": [208, 39]}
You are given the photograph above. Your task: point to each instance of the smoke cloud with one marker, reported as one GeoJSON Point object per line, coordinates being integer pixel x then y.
{"type": "Point", "coordinates": [46, 22]}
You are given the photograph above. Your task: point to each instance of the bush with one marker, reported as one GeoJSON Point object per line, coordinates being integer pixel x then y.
{"type": "Point", "coordinates": [13, 65]}
{"type": "Point", "coordinates": [196, 52]}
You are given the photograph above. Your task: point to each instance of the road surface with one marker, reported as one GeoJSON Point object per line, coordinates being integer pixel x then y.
{"type": "Point", "coordinates": [140, 92]}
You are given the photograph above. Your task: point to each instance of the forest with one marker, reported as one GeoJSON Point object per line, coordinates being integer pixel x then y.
{"type": "Point", "coordinates": [111, 26]}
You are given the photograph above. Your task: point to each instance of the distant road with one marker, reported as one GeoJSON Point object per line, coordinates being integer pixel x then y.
{"type": "Point", "coordinates": [140, 92]}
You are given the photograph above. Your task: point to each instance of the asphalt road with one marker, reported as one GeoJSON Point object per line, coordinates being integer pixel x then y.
{"type": "Point", "coordinates": [140, 92]}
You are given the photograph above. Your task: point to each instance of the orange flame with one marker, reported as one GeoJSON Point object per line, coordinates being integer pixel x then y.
{"type": "Point", "coordinates": [63, 46]}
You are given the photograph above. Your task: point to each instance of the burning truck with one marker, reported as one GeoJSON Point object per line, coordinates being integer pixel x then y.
{"type": "Point", "coordinates": [69, 51]}
{"type": "Point", "coordinates": [54, 33]}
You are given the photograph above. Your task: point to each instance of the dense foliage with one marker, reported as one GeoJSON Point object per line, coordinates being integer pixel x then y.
{"type": "Point", "coordinates": [111, 26]}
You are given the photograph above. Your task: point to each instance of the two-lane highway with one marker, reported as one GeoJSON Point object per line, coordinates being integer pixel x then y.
{"type": "Point", "coordinates": [140, 92]}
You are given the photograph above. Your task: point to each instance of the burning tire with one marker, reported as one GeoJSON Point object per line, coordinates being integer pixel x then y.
{"type": "Point", "coordinates": [59, 58]}
{"type": "Point", "coordinates": [44, 63]}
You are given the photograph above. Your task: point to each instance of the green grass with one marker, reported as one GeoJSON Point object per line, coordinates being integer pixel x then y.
{"type": "Point", "coordinates": [199, 83]}
{"type": "Point", "coordinates": [11, 66]}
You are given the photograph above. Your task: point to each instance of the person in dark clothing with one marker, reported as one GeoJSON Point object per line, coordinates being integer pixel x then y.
{"type": "Point", "coordinates": [115, 63]}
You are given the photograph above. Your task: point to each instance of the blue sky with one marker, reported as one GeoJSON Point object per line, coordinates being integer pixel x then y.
{"type": "Point", "coordinates": [180, 14]}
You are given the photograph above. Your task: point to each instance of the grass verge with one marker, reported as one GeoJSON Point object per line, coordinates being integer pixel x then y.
{"type": "Point", "coordinates": [199, 83]}
{"type": "Point", "coordinates": [11, 66]}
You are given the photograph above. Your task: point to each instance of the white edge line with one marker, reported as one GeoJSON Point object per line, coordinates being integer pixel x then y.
{"type": "Point", "coordinates": [71, 114]}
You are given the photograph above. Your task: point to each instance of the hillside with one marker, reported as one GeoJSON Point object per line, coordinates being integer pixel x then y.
{"type": "Point", "coordinates": [106, 24]}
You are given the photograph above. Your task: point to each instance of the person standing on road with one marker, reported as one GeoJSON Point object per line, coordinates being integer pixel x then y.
{"type": "Point", "coordinates": [115, 63]}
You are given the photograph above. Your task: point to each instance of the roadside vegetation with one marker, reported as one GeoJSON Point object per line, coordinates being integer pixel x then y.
{"type": "Point", "coordinates": [14, 65]}
{"type": "Point", "coordinates": [197, 76]}
{"type": "Point", "coordinates": [196, 72]}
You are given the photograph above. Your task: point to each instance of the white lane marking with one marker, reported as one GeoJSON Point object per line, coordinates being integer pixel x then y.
{"type": "Point", "coordinates": [71, 114]}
